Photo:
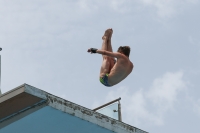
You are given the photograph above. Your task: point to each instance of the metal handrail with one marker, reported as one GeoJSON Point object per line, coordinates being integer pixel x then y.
{"type": "Point", "coordinates": [107, 104]}
{"type": "Point", "coordinates": [119, 108]}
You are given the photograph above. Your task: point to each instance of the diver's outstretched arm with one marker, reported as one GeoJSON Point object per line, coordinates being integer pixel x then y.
{"type": "Point", "coordinates": [104, 52]}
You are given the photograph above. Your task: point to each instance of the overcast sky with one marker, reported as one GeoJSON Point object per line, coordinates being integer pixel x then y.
{"type": "Point", "coordinates": [45, 42]}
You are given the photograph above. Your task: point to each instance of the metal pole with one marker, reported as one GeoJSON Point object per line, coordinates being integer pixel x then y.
{"type": "Point", "coordinates": [0, 72]}
{"type": "Point", "coordinates": [107, 104]}
{"type": "Point", "coordinates": [119, 112]}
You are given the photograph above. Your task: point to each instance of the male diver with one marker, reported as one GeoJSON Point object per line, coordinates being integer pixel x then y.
{"type": "Point", "coordinates": [113, 71]}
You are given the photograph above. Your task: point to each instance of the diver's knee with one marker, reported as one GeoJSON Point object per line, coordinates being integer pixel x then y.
{"type": "Point", "coordinates": [105, 57]}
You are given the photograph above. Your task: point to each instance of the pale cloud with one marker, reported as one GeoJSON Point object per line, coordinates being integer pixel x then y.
{"type": "Point", "coordinates": [161, 8]}
{"type": "Point", "coordinates": [88, 5]}
{"type": "Point", "coordinates": [121, 6]}
{"type": "Point", "coordinates": [194, 41]}
{"type": "Point", "coordinates": [194, 104]}
{"type": "Point", "coordinates": [150, 106]}
{"type": "Point", "coordinates": [168, 8]}
{"type": "Point", "coordinates": [91, 6]}
{"type": "Point", "coordinates": [164, 7]}
{"type": "Point", "coordinates": [165, 89]}
{"type": "Point", "coordinates": [196, 107]}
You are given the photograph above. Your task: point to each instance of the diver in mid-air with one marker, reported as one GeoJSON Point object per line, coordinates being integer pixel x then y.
{"type": "Point", "coordinates": [113, 71]}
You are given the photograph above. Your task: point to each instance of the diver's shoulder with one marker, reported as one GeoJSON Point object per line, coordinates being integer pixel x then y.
{"type": "Point", "coordinates": [131, 64]}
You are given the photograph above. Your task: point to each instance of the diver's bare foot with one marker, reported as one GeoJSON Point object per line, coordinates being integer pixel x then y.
{"type": "Point", "coordinates": [108, 34]}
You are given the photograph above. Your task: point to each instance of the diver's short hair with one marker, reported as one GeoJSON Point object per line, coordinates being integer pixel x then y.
{"type": "Point", "coordinates": [125, 50]}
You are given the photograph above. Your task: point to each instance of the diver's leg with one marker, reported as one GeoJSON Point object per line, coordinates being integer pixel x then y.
{"type": "Point", "coordinates": [109, 48]}
{"type": "Point", "coordinates": [106, 40]}
{"type": "Point", "coordinates": [105, 68]}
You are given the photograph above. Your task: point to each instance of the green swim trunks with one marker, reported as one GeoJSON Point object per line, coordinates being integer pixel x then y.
{"type": "Point", "coordinates": [104, 80]}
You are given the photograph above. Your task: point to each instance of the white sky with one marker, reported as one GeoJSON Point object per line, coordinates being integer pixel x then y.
{"type": "Point", "coordinates": [45, 42]}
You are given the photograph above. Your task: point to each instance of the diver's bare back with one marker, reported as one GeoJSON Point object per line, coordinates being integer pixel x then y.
{"type": "Point", "coordinates": [120, 70]}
